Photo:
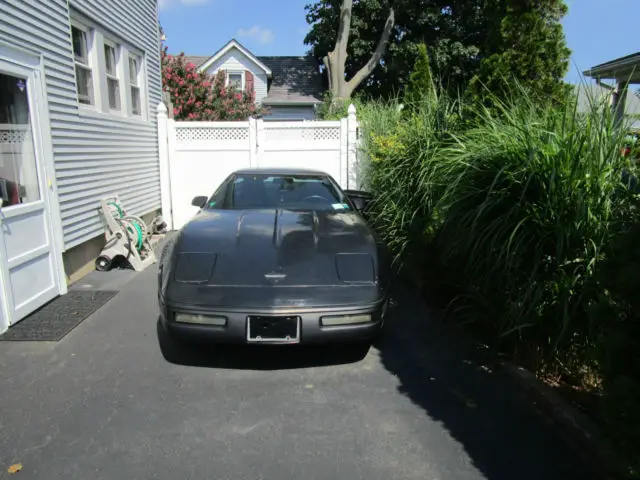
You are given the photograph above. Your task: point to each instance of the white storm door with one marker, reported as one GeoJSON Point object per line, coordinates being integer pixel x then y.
{"type": "Point", "coordinates": [27, 254]}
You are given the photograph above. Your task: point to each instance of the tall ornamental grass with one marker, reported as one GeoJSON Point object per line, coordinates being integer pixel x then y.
{"type": "Point", "coordinates": [522, 217]}
{"type": "Point", "coordinates": [510, 206]}
{"type": "Point", "coordinates": [534, 193]}
{"type": "Point", "coordinates": [402, 144]}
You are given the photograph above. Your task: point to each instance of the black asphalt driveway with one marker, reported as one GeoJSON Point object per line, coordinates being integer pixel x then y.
{"type": "Point", "coordinates": [113, 400]}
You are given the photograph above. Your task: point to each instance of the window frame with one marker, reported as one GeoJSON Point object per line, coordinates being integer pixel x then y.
{"type": "Point", "coordinates": [242, 78]}
{"type": "Point", "coordinates": [116, 75]}
{"type": "Point", "coordinates": [98, 38]}
{"type": "Point", "coordinates": [133, 55]}
{"type": "Point", "coordinates": [89, 66]}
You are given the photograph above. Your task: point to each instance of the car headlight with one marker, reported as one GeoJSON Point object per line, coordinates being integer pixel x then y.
{"type": "Point", "coordinates": [200, 319]}
{"type": "Point", "coordinates": [332, 321]}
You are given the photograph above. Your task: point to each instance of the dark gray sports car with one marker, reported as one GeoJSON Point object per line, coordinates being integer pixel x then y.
{"type": "Point", "coordinates": [276, 256]}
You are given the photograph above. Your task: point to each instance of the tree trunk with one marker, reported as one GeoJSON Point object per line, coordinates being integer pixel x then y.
{"type": "Point", "coordinates": [335, 60]}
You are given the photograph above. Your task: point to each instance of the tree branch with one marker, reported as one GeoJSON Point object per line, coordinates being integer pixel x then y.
{"type": "Point", "coordinates": [338, 56]}
{"type": "Point", "coordinates": [327, 66]}
{"type": "Point", "coordinates": [344, 27]}
{"type": "Point", "coordinates": [373, 62]}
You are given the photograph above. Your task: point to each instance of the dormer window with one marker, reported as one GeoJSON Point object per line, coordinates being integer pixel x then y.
{"type": "Point", "coordinates": [235, 80]}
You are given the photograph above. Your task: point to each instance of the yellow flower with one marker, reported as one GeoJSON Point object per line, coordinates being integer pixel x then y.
{"type": "Point", "coordinates": [386, 146]}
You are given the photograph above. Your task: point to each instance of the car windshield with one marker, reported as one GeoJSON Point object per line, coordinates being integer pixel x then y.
{"type": "Point", "coordinates": [294, 192]}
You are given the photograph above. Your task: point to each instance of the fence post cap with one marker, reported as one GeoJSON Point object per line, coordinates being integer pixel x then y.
{"type": "Point", "coordinates": [162, 108]}
{"type": "Point", "coordinates": [352, 109]}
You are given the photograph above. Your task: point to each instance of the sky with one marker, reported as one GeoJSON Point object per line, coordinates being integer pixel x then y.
{"type": "Point", "coordinates": [596, 30]}
{"type": "Point", "coordinates": [600, 30]}
{"type": "Point", "coordinates": [266, 27]}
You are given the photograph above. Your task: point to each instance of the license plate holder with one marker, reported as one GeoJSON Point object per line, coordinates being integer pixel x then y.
{"type": "Point", "coordinates": [273, 329]}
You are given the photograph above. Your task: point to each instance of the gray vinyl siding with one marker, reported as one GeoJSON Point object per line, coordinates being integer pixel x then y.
{"type": "Point", "coordinates": [99, 155]}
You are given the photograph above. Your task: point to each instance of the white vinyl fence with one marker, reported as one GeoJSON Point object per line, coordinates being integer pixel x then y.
{"type": "Point", "coordinates": [195, 157]}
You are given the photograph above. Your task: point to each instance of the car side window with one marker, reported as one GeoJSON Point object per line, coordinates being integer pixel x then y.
{"type": "Point", "coordinates": [218, 199]}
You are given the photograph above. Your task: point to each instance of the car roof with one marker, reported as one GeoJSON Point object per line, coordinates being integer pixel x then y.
{"type": "Point", "coordinates": [279, 171]}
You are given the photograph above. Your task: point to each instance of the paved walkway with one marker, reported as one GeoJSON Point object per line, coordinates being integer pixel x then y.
{"type": "Point", "coordinates": [113, 400]}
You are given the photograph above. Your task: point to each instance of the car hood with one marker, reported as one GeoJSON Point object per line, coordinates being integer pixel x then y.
{"type": "Point", "coordinates": [276, 247]}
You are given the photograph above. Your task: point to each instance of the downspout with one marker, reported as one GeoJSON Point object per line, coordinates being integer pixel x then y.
{"type": "Point", "coordinates": [620, 101]}
{"type": "Point", "coordinates": [618, 98]}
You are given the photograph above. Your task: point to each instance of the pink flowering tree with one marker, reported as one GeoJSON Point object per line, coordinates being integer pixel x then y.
{"type": "Point", "coordinates": [198, 96]}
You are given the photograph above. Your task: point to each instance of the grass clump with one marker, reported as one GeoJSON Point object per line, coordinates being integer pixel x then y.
{"type": "Point", "coordinates": [521, 217]}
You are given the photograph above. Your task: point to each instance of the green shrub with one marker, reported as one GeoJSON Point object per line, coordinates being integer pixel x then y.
{"type": "Point", "coordinates": [616, 316]}
{"type": "Point", "coordinates": [523, 219]}
{"type": "Point", "coordinates": [336, 109]}
{"type": "Point", "coordinates": [533, 196]}
{"type": "Point", "coordinates": [421, 82]}
{"type": "Point", "coordinates": [400, 148]}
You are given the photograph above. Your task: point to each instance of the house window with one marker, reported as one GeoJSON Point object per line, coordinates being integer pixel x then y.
{"type": "Point", "coordinates": [84, 77]}
{"type": "Point", "coordinates": [235, 80]}
{"type": "Point", "coordinates": [134, 84]}
{"type": "Point", "coordinates": [110, 73]}
{"type": "Point", "coordinates": [113, 84]}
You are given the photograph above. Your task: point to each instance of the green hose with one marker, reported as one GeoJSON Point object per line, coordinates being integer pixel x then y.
{"type": "Point", "coordinates": [120, 211]}
{"type": "Point", "coordinates": [137, 229]}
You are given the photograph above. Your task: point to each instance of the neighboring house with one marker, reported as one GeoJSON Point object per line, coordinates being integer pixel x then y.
{"type": "Point", "coordinates": [624, 72]}
{"type": "Point", "coordinates": [598, 94]}
{"type": "Point", "coordinates": [79, 86]}
{"type": "Point", "coordinates": [291, 87]}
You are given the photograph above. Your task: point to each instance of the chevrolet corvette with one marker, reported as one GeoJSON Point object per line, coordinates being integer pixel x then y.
{"type": "Point", "coordinates": [276, 256]}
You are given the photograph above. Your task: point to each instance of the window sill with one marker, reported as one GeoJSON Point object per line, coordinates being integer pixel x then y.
{"type": "Point", "coordinates": [91, 112]}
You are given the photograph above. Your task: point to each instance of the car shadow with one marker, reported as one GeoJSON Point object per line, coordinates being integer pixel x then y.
{"type": "Point", "coordinates": [255, 357]}
{"type": "Point", "coordinates": [458, 384]}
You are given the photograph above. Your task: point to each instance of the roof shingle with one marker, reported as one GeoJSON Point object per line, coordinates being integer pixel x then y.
{"type": "Point", "coordinates": [197, 60]}
{"type": "Point", "coordinates": [295, 79]}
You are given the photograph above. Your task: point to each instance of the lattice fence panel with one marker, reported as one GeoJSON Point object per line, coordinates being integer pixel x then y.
{"type": "Point", "coordinates": [302, 134]}
{"type": "Point", "coordinates": [211, 134]}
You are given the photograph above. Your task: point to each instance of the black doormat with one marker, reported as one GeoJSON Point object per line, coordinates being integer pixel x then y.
{"type": "Point", "coordinates": [57, 318]}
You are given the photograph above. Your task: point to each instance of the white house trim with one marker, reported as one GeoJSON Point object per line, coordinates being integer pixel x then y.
{"type": "Point", "coordinates": [229, 46]}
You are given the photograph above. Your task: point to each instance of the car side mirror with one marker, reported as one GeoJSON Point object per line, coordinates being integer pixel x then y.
{"type": "Point", "coordinates": [199, 201]}
{"type": "Point", "coordinates": [360, 199]}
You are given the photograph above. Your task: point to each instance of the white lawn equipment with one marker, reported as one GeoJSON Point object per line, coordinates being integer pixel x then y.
{"type": "Point", "coordinates": [127, 237]}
